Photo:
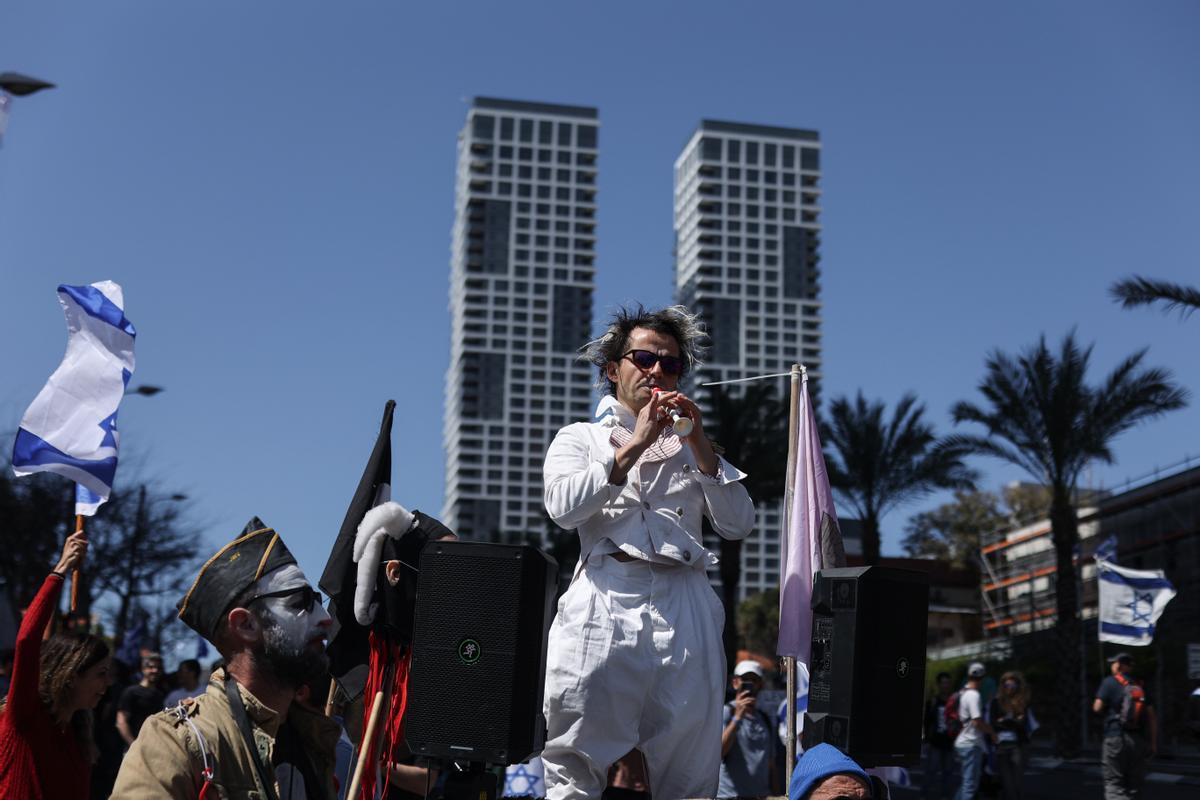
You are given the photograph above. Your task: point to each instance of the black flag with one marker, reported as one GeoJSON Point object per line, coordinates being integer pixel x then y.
{"type": "Point", "coordinates": [348, 645]}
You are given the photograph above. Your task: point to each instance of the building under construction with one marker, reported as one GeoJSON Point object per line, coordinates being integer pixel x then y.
{"type": "Point", "coordinates": [1155, 523]}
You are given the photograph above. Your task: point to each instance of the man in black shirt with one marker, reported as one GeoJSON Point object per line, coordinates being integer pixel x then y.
{"type": "Point", "coordinates": [938, 777]}
{"type": "Point", "coordinates": [1130, 736]}
{"type": "Point", "coordinates": [141, 700]}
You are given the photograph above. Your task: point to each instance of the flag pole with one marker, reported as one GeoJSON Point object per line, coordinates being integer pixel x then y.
{"type": "Point", "coordinates": [366, 748]}
{"type": "Point", "coordinates": [75, 572]}
{"type": "Point", "coordinates": [789, 663]}
{"type": "Point", "coordinates": [331, 698]}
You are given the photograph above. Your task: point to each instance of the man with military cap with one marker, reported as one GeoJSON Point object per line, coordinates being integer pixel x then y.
{"type": "Point", "coordinates": [244, 737]}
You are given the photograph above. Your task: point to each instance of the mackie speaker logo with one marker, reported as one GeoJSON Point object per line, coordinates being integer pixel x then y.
{"type": "Point", "coordinates": [469, 651]}
{"type": "Point", "coordinates": [902, 667]}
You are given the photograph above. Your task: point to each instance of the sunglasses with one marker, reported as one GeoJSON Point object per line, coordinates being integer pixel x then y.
{"type": "Point", "coordinates": [644, 359]}
{"type": "Point", "coordinates": [308, 595]}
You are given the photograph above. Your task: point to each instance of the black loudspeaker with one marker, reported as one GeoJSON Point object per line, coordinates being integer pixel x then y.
{"type": "Point", "coordinates": [483, 614]}
{"type": "Point", "coordinates": [867, 669]}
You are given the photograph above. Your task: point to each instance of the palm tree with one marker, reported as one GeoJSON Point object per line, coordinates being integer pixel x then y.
{"type": "Point", "coordinates": [876, 465]}
{"type": "Point", "coordinates": [1042, 416]}
{"type": "Point", "coordinates": [1139, 291]}
{"type": "Point", "coordinates": [750, 427]}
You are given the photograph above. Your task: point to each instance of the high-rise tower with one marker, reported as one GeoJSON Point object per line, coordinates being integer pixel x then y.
{"type": "Point", "coordinates": [522, 275]}
{"type": "Point", "coordinates": [747, 229]}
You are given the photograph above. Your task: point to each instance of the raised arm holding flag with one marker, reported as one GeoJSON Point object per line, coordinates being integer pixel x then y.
{"type": "Point", "coordinates": [71, 426]}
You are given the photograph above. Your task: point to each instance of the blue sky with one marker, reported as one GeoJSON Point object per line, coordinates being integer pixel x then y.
{"type": "Point", "coordinates": [272, 183]}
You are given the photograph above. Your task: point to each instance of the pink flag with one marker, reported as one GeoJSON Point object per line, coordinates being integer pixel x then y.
{"type": "Point", "coordinates": [813, 541]}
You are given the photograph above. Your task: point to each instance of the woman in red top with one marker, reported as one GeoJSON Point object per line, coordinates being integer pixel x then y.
{"type": "Point", "coordinates": [46, 748]}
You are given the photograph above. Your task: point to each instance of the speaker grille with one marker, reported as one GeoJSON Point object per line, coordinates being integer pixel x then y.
{"type": "Point", "coordinates": [478, 640]}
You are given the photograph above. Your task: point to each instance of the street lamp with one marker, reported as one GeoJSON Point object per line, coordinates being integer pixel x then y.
{"type": "Point", "coordinates": [21, 85]}
{"type": "Point", "coordinates": [145, 390]}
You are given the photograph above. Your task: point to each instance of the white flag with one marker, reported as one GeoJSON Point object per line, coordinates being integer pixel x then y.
{"type": "Point", "coordinates": [71, 426]}
{"type": "Point", "coordinates": [1131, 601]}
{"type": "Point", "coordinates": [814, 540]}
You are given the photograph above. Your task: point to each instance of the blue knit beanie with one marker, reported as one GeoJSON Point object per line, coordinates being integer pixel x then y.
{"type": "Point", "coordinates": [819, 763]}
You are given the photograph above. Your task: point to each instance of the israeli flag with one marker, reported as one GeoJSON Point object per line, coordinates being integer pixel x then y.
{"type": "Point", "coordinates": [1107, 549]}
{"type": "Point", "coordinates": [71, 427]}
{"type": "Point", "coordinates": [1131, 601]}
{"type": "Point", "coordinates": [525, 780]}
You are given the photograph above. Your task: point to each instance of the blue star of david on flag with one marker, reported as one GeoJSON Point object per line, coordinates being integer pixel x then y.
{"type": "Point", "coordinates": [71, 426]}
{"type": "Point", "coordinates": [1145, 601]}
{"type": "Point", "coordinates": [1131, 601]}
{"type": "Point", "coordinates": [524, 780]}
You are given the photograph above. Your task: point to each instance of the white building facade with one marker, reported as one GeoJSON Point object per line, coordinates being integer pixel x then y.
{"type": "Point", "coordinates": [522, 276]}
{"type": "Point", "coordinates": [747, 234]}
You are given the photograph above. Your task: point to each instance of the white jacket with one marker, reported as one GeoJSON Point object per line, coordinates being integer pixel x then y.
{"type": "Point", "coordinates": [656, 514]}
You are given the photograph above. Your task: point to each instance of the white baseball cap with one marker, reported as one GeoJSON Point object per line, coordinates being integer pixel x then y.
{"type": "Point", "coordinates": [748, 666]}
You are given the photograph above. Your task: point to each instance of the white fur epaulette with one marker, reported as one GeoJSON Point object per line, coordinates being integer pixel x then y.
{"type": "Point", "coordinates": [387, 519]}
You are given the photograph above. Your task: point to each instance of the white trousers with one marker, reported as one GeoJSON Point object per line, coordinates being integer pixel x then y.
{"type": "Point", "coordinates": [635, 660]}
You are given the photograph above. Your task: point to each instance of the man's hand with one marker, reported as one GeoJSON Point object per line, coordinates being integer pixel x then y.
{"type": "Point", "coordinates": [651, 421]}
{"type": "Point", "coordinates": [706, 457]}
{"type": "Point", "coordinates": [744, 704]}
{"type": "Point", "coordinates": [692, 412]}
{"type": "Point", "coordinates": [74, 549]}
{"type": "Point", "coordinates": [653, 418]}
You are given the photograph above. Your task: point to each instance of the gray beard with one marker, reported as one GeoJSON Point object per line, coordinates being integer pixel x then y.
{"type": "Point", "coordinates": [292, 665]}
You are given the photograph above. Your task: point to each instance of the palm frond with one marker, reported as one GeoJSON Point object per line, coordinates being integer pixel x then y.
{"type": "Point", "coordinates": [1139, 291]}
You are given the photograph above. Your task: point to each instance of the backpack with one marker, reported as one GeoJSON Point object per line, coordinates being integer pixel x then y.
{"type": "Point", "coordinates": [954, 723]}
{"type": "Point", "coordinates": [1133, 701]}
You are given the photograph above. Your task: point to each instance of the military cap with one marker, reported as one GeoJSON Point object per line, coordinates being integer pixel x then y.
{"type": "Point", "coordinates": [238, 565]}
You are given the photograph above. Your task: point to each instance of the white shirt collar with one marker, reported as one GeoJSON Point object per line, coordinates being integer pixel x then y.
{"type": "Point", "coordinates": [610, 412]}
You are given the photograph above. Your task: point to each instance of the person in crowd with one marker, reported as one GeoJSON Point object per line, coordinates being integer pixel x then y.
{"type": "Point", "coordinates": [1010, 718]}
{"type": "Point", "coordinates": [188, 675]}
{"type": "Point", "coordinates": [826, 773]}
{"type": "Point", "coordinates": [971, 741]}
{"type": "Point", "coordinates": [245, 734]}
{"type": "Point", "coordinates": [939, 767]}
{"type": "Point", "coordinates": [142, 699]}
{"type": "Point", "coordinates": [1130, 730]}
{"type": "Point", "coordinates": [1192, 722]}
{"type": "Point", "coordinates": [747, 738]}
{"type": "Point", "coordinates": [6, 664]}
{"type": "Point", "coordinates": [108, 739]}
{"type": "Point", "coordinates": [627, 778]}
{"type": "Point", "coordinates": [636, 491]}
{"type": "Point", "coordinates": [46, 746]}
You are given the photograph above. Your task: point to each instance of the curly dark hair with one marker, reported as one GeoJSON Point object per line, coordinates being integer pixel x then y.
{"type": "Point", "coordinates": [64, 657]}
{"type": "Point", "coordinates": [675, 321]}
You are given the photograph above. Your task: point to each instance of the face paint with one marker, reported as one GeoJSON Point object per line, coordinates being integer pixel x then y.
{"type": "Point", "coordinates": [293, 632]}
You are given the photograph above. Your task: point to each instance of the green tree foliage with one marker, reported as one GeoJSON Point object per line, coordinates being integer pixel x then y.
{"type": "Point", "coordinates": [952, 532]}
{"type": "Point", "coordinates": [750, 427]}
{"type": "Point", "coordinates": [758, 622]}
{"type": "Point", "coordinates": [1040, 413]}
{"type": "Point", "coordinates": [876, 464]}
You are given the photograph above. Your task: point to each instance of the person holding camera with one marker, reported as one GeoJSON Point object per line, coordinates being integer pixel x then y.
{"type": "Point", "coordinates": [747, 739]}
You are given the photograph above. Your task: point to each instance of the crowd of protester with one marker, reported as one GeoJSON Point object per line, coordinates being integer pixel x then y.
{"type": "Point", "coordinates": [71, 711]}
